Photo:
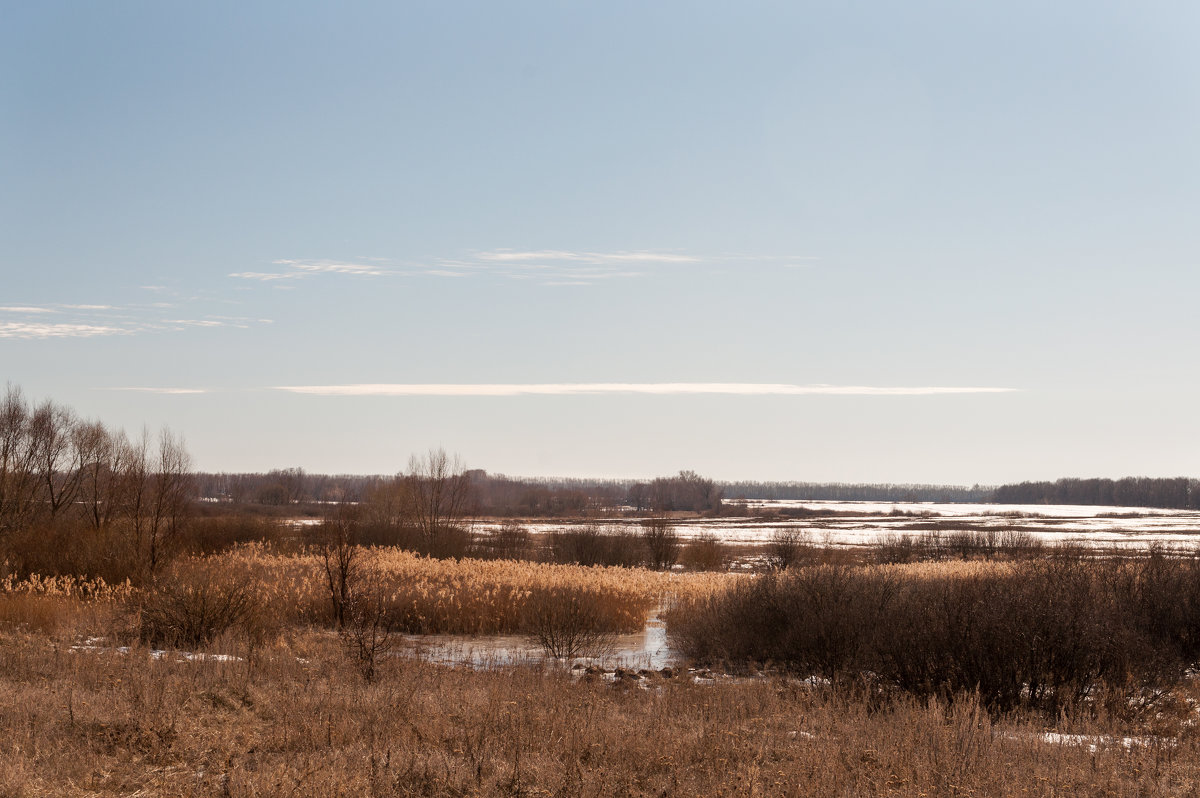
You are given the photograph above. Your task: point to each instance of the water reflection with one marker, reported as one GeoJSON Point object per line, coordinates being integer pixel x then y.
{"type": "Point", "coordinates": [645, 649]}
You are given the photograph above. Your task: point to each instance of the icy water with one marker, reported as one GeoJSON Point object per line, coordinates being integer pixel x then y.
{"type": "Point", "coordinates": [645, 649]}
{"type": "Point", "coordinates": [864, 523]}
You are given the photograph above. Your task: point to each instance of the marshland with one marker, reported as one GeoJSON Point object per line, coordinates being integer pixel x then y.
{"type": "Point", "coordinates": [160, 637]}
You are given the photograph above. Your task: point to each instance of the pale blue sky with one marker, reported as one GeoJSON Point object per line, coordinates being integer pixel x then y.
{"type": "Point", "coordinates": [231, 198]}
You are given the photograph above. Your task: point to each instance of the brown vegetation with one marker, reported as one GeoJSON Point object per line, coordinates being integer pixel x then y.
{"type": "Point", "coordinates": [1055, 633]}
{"type": "Point", "coordinates": [292, 720]}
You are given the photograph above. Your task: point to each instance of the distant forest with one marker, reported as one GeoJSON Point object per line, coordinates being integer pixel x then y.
{"type": "Point", "coordinates": [497, 494]}
{"type": "Point", "coordinates": [492, 494]}
{"type": "Point", "coordinates": [1178, 493]}
{"type": "Point", "coordinates": [854, 492]}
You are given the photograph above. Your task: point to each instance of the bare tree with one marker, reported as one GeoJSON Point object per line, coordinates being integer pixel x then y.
{"type": "Point", "coordinates": [170, 496]}
{"type": "Point", "coordinates": [388, 506]}
{"type": "Point", "coordinates": [55, 455]}
{"type": "Point", "coordinates": [441, 494]}
{"type": "Point", "coordinates": [339, 556]}
{"type": "Point", "coordinates": [369, 630]}
{"type": "Point", "coordinates": [101, 454]}
{"type": "Point", "coordinates": [18, 484]}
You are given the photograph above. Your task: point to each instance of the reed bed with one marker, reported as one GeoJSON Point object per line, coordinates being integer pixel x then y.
{"type": "Point", "coordinates": [431, 596]}
{"type": "Point", "coordinates": [55, 604]}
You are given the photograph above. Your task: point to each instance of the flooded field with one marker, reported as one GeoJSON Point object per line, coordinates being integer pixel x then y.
{"type": "Point", "coordinates": [865, 523]}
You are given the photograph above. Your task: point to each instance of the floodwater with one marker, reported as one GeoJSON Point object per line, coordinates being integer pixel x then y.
{"type": "Point", "coordinates": [865, 523]}
{"type": "Point", "coordinates": [645, 649]}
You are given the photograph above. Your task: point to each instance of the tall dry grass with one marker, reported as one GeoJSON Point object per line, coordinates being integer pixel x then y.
{"type": "Point", "coordinates": [296, 721]}
{"type": "Point", "coordinates": [60, 604]}
{"type": "Point", "coordinates": [430, 596]}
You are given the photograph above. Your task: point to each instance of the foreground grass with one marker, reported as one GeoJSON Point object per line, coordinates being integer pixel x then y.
{"type": "Point", "coordinates": [293, 719]}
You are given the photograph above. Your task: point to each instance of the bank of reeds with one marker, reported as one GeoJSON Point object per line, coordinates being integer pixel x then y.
{"type": "Point", "coordinates": [431, 596]}
{"type": "Point", "coordinates": [60, 604]}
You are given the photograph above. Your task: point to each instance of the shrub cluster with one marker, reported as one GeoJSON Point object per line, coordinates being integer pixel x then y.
{"type": "Point", "coordinates": [1046, 633]}
{"type": "Point", "coordinates": [965, 544]}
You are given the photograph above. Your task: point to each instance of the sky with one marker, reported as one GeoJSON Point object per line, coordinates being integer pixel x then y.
{"type": "Point", "coordinates": [935, 242]}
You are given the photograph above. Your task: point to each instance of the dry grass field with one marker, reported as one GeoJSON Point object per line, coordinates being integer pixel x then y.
{"type": "Point", "coordinates": [431, 596]}
{"type": "Point", "coordinates": [279, 708]}
{"type": "Point", "coordinates": [293, 719]}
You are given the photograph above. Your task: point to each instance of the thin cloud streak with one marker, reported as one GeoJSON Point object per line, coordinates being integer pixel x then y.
{"type": "Point", "coordinates": [657, 389]}
{"type": "Point", "coordinates": [299, 268]}
{"type": "Point", "coordinates": [34, 330]}
{"type": "Point", "coordinates": [548, 267]}
{"type": "Point", "coordinates": [550, 255]}
{"type": "Point", "coordinates": [170, 391]}
{"type": "Point", "coordinates": [39, 322]}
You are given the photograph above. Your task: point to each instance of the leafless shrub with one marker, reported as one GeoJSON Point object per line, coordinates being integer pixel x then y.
{"type": "Point", "coordinates": [568, 622]}
{"type": "Point", "coordinates": [338, 547]}
{"type": "Point", "coordinates": [894, 549]}
{"type": "Point", "coordinates": [213, 534]}
{"type": "Point", "coordinates": [705, 553]}
{"type": "Point", "coordinates": [1049, 633]}
{"type": "Point", "coordinates": [592, 544]}
{"type": "Point", "coordinates": [369, 628]}
{"type": "Point", "coordinates": [191, 614]}
{"type": "Point", "coordinates": [789, 546]}
{"type": "Point", "coordinates": [661, 543]}
{"type": "Point", "coordinates": [511, 541]}
{"type": "Point", "coordinates": [1017, 543]}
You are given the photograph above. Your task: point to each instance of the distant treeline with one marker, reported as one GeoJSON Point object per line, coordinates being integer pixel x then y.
{"type": "Point", "coordinates": [491, 494]}
{"type": "Point", "coordinates": [856, 492]}
{"type": "Point", "coordinates": [500, 495]}
{"type": "Point", "coordinates": [1174, 493]}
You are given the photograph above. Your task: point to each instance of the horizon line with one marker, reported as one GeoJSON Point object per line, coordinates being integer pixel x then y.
{"type": "Point", "coordinates": [658, 389]}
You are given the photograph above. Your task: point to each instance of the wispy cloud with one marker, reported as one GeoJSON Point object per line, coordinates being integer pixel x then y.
{"type": "Point", "coordinates": [33, 322]}
{"type": "Point", "coordinates": [659, 389]}
{"type": "Point", "coordinates": [26, 309]}
{"type": "Point", "coordinates": [32, 329]}
{"type": "Point", "coordinates": [171, 391]}
{"type": "Point", "coordinates": [558, 255]}
{"type": "Point", "coordinates": [298, 269]}
{"type": "Point", "coordinates": [552, 267]}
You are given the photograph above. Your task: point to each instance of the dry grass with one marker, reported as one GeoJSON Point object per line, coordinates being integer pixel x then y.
{"type": "Point", "coordinates": [293, 720]}
{"type": "Point", "coordinates": [60, 604]}
{"type": "Point", "coordinates": [292, 715]}
{"type": "Point", "coordinates": [428, 596]}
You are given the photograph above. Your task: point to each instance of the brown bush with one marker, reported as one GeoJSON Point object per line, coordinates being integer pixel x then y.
{"type": "Point", "coordinates": [661, 543]}
{"type": "Point", "coordinates": [74, 549]}
{"type": "Point", "coordinates": [1048, 633]}
{"type": "Point", "coordinates": [181, 611]}
{"type": "Point", "coordinates": [569, 622]}
{"type": "Point", "coordinates": [511, 541]}
{"type": "Point", "coordinates": [217, 533]}
{"type": "Point", "coordinates": [705, 553]}
{"type": "Point", "coordinates": [591, 545]}
{"type": "Point", "coordinates": [788, 547]}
